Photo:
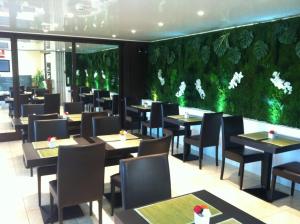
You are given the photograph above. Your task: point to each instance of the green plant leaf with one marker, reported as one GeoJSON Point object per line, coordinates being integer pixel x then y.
{"type": "Point", "coordinates": [234, 55]}
{"type": "Point", "coordinates": [171, 58]}
{"type": "Point", "coordinates": [154, 55]}
{"type": "Point", "coordinates": [260, 49]}
{"type": "Point", "coordinates": [221, 44]}
{"type": "Point", "coordinates": [289, 36]}
{"type": "Point", "coordinates": [297, 49]}
{"type": "Point", "coordinates": [245, 38]}
{"type": "Point", "coordinates": [205, 54]}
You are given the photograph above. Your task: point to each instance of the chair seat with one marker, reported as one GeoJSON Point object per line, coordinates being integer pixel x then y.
{"type": "Point", "coordinates": [292, 167]}
{"type": "Point", "coordinates": [193, 140]}
{"type": "Point", "coordinates": [174, 130]}
{"type": "Point", "coordinates": [116, 179]}
{"type": "Point", "coordinates": [53, 187]}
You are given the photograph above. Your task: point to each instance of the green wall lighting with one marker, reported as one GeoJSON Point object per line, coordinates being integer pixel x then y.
{"type": "Point", "coordinates": [221, 101]}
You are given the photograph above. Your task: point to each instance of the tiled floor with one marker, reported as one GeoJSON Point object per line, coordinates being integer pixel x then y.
{"type": "Point", "coordinates": [19, 191]}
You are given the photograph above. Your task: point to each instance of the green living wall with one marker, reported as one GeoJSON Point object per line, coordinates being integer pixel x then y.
{"type": "Point", "coordinates": [256, 51]}
{"type": "Point", "coordinates": [98, 70]}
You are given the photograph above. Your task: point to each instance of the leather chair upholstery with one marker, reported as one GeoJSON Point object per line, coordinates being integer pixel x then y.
{"type": "Point", "coordinates": [80, 177]}
{"type": "Point", "coordinates": [106, 125]}
{"type": "Point", "coordinates": [209, 135]}
{"type": "Point", "coordinates": [234, 125]}
{"type": "Point", "coordinates": [145, 180]}
{"type": "Point", "coordinates": [155, 118]}
{"type": "Point", "coordinates": [86, 128]}
{"type": "Point", "coordinates": [52, 103]}
{"type": "Point", "coordinates": [73, 108]}
{"type": "Point", "coordinates": [39, 91]}
{"type": "Point", "coordinates": [54, 127]}
{"type": "Point", "coordinates": [169, 109]}
{"type": "Point", "coordinates": [27, 109]}
{"type": "Point", "coordinates": [146, 148]}
{"type": "Point", "coordinates": [132, 119]}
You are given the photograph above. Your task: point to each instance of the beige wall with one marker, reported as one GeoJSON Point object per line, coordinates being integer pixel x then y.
{"type": "Point", "coordinates": [30, 62]}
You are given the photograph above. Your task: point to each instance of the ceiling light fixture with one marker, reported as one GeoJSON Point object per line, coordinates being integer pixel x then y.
{"type": "Point", "coordinates": [45, 30]}
{"type": "Point", "coordinates": [77, 45]}
{"type": "Point", "coordinates": [70, 47]}
{"type": "Point", "coordinates": [114, 35]}
{"type": "Point", "coordinates": [133, 31]}
{"type": "Point", "coordinates": [160, 24]}
{"type": "Point", "coordinates": [94, 25]}
{"type": "Point", "coordinates": [200, 13]}
{"type": "Point", "coordinates": [69, 15]}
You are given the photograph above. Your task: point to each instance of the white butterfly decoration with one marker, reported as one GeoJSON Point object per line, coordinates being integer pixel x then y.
{"type": "Point", "coordinates": [199, 89]}
{"type": "Point", "coordinates": [181, 89]}
{"type": "Point", "coordinates": [103, 75]}
{"type": "Point", "coordinates": [281, 84]}
{"type": "Point", "coordinates": [86, 73]}
{"type": "Point", "coordinates": [77, 73]}
{"type": "Point", "coordinates": [95, 74]}
{"type": "Point", "coordinates": [236, 79]}
{"type": "Point", "coordinates": [161, 79]}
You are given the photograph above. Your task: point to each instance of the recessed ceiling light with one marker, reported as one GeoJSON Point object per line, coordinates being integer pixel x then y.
{"type": "Point", "coordinates": [200, 13]}
{"type": "Point", "coordinates": [133, 31]}
{"type": "Point", "coordinates": [114, 35]}
{"type": "Point", "coordinates": [77, 45]}
{"type": "Point", "coordinates": [63, 49]}
{"type": "Point", "coordinates": [70, 15]}
{"type": "Point", "coordinates": [160, 24]}
{"type": "Point", "coordinates": [45, 30]}
{"type": "Point", "coordinates": [94, 25]}
{"type": "Point", "coordinates": [70, 47]}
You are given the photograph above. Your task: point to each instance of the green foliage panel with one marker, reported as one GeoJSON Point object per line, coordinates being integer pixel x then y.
{"type": "Point", "coordinates": [96, 70]}
{"type": "Point", "coordinates": [256, 51]}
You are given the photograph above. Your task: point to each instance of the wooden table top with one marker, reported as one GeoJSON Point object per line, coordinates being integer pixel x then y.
{"type": "Point", "coordinates": [227, 210]}
{"type": "Point", "coordinates": [181, 120]}
{"type": "Point", "coordinates": [259, 140]}
{"type": "Point", "coordinates": [139, 108]}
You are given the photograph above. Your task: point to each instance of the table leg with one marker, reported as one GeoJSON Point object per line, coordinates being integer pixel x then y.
{"type": "Point", "coordinates": [144, 128]}
{"type": "Point", "coordinates": [267, 170]}
{"type": "Point", "coordinates": [187, 147]}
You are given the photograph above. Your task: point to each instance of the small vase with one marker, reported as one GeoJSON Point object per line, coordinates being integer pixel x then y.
{"type": "Point", "coordinates": [271, 136]}
{"type": "Point", "coordinates": [123, 138]}
{"type": "Point", "coordinates": [51, 144]}
{"type": "Point", "coordinates": [186, 115]}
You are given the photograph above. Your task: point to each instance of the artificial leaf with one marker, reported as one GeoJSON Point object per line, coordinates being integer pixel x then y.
{"type": "Point", "coordinates": [221, 44]}
{"type": "Point", "coordinates": [234, 55]}
{"type": "Point", "coordinates": [245, 38]}
{"type": "Point", "coordinates": [260, 49]}
{"type": "Point", "coordinates": [205, 54]}
{"type": "Point", "coordinates": [297, 49]}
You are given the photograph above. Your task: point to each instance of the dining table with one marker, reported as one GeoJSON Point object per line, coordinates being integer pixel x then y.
{"type": "Point", "coordinates": [186, 122]}
{"type": "Point", "coordinates": [180, 210]}
{"type": "Point", "coordinates": [142, 111]}
{"type": "Point", "coordinates": [269, 146]}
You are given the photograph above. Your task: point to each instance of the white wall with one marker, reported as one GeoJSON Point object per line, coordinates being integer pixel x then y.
{"type": "Point", "coordinates": [30, 62]}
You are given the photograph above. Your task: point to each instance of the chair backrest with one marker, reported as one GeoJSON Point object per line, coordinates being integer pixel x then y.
{"type": "Point", "coordinates": [145, 180]}
{"type": "Point", "coordinates": [22, 89]}
{"type": "Point", "coordinates": [73, 108]}
{"type": "Point", "coordinates": [55, 127]}
{"type": "Point", "coordinates": [128, 101]}
{"type": "Point", "coordinates": [84, 89]}
{"type": "Point", "coordinates": [115, 104]}
{"type": "Point", "coordinates": [39, 91]}
{"type": "Point", "coordinates": [32, 118]}
{"type": "Point", "coordinates": [103, 93]}
{"type": "Point", "coordinates": [154, 146]}
{"type": "Point", "coordinates": [106, 125]}
{"type": "Point", "coordinates": [156, 115]}
{"type": "Point", "coordinates": [24, 99]}
{"type": "Point", "coordinates": [80, 173]}
{"type": "Point", "coordinates": [52, 103]}
{"type": "Point", "coordinates": [210, 129]}
{"type": "Point", "coordinates": [232, 125]}
{"type": "Point", "coordinates": [86, 127]}
{"type": "Point", "coordinates": [27, 109]}
{"type": "Point", "coordinates": [168, 109]}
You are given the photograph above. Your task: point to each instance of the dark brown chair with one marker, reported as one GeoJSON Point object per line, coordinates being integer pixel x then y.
{"type": "Point", "coordinates": [99, 94]}
{"type": "Point", "coordinates": [155, 118]}
{"type": "Point", "coordinates": [42, 130]}
{"type": "Point", "coordinates": [209, 135]}
{"type": "Point", "coordinates": [106, 125]}
{"type": "Point", "coordinates": [146, 148]}
{"type": "Point", "coordinates": [114, 110]}
{"type": "Point", "coordinates": [24, 99]}
{"type": "Point", "coordinates": [27, 109]}
{"type": "Point", "coordinates": [87, 100]}
{"type": "Point", "coordinates": [52, 103]}
{"type": "Point", "coordinates": [73, 108]}
{"type": "Point", "coordinates": [169, 109]}
{"type": "Point", "coordinates": [132, 119]}
{"type": "Point", "coordinates": [290, 171]}
{"type": "Point", "coordinates": [80, 177]}
{"type": "Point", "coordinates": [39, 91]}
{"type": "Point", "coordinates": [86, 128]}
{"type": "Point", "coordinates": [145, 180]}
{"type": "Point", "coordinates": [231, 126]}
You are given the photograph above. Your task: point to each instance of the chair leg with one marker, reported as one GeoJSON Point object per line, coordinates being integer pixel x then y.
{"type": "Point", "coordinates": [112, 199]}
{"type": "Point", "coordinates": [172, 146]}
{"type": "Point", "coordinates": [60, 215]}
{"type": "Point", "coordinates": [217, 155]}
{"type": "Point", "coordinates": [157, 132]}
{"type": "Point", "coordinates": [242, 165]}
{"type": "Point", "coordinates": [239, 174]}
{"type": "Point", "coordinates": [150, 132]}
{"type": "Point", "coordinates": [273, 186]}
{"type": "Point", "coordinates": [292, 188]}
{"type": "Point", "coordinates": [177, 144]}
{"type": "Point", "coordinates": [51, 207]}
{"type": "Point", "coordinates": [31, 171]}
{"type": "Point", "coordinates": [100, 210]}
{"type": "Point", "coordinates": [200, 157]}
{"type": "Point", "coordinates": [39, 189]}
{"type": "Point", "coordinates": [91, 208]}
{"type": "Point", "coordinates": [222, 168]}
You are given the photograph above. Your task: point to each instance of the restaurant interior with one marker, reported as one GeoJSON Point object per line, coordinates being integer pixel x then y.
{"type": "Point", "coordinates": [158, 112]}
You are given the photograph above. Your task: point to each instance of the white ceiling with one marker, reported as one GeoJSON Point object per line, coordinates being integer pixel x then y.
{"type": "Point", "coordinates": [104, 18]}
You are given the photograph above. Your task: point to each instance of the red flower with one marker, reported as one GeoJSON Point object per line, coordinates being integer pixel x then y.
{"type": "Point", "coordinates": [49, 138]}
{"type": "Point", "coordinates": [272, 132]}
{"type": "Point", "coordinates": [66, 113]}
{"type": "Point", "coordinates": [198, 209]}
